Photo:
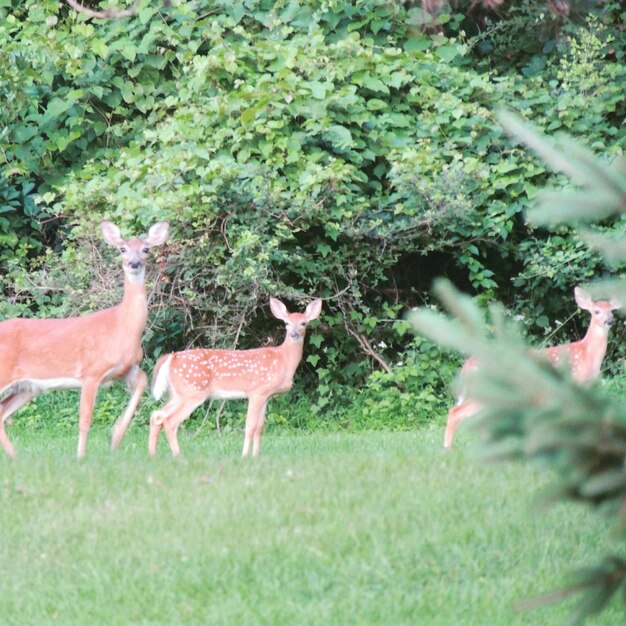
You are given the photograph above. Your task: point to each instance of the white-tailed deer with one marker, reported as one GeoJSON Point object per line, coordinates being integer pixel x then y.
{"type": "Point", "coordinates": [584, 357]}
{"type": "Point", "coordinates": [83, 352]}
{"type": "Point", "coordinates": [193, 376]}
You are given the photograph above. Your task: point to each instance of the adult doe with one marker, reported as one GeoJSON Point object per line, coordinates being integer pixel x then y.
{"type": "Point", "coordinates": [84, 352]}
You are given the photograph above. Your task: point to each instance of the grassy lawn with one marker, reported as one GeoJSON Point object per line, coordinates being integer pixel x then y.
{"type": "Point", "coordinates": [372, 528]}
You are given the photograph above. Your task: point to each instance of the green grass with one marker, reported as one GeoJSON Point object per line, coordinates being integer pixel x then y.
{"type": "Point", "coordinates": [370, 528]}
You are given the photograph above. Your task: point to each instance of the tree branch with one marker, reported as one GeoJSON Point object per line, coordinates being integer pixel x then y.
{"type": "Point", "coordinates": [104, 14]}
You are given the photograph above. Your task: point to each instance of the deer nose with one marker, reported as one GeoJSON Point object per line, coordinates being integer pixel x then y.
{"type": "Point", "coordinates": [135, 264]}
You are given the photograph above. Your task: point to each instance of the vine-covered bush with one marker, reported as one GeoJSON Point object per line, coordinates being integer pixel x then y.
{"type": "Point", "coordinates": [298, 149]}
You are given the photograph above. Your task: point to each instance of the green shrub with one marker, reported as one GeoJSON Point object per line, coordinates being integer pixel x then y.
{"type": "Point", "coordinates": [415, 392]}
{"type": "Point", "coordinates": [324, 148]}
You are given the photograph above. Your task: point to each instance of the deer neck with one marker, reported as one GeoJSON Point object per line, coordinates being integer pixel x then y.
{"type": "Point", "coordinates": [292, 354]}
{"type": "Point", "coordinates": [595, 342]}
{"type": "Point", "coordinates": [134, 305]}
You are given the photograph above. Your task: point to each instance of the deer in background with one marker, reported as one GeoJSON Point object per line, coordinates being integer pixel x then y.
{"type": "Point", "coordinates": [85, 352]}
{"type": "Point", "coordinates": [193, 376]}
{"type": "Point", "coordinates": [583, 357]}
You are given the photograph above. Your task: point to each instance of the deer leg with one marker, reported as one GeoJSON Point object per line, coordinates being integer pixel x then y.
{"type": "Point", "coordinates": [138, 382]}
{"type": "Point", "coordinates": [456, 415]}
{"type": "Point", "coordinates": [255, 406]}
{"type": "Point", "coordinates": [85, 413]}
{"type": "Point", "coordinates": [258, 429]}
{"type": "Point", "coordinates": [5, 441]}
{"type": "Point", "coordinates": [153, 437]}
{"type": "Point", "coordinates": [175, 412]}
{"type": "Point", "coordinates": [9, 405]}
{"type": "Point", "coordinates": [171, 432]}
{"type": "Point", "coordinates": [156, 423]}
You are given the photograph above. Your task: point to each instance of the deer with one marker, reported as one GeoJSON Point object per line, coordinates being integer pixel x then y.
{"type": "Point", "coordinates": [192, 376]}
{"type": "Point", "coordinates": [583, 358]}
{"type": "Point", "coordinates": [83, 352]}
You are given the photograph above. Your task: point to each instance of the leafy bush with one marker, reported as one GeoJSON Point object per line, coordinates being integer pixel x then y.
{"type": "Point", "coordinates": [324, 148]}
{"type": "Point", "coordinates": [414, 392]}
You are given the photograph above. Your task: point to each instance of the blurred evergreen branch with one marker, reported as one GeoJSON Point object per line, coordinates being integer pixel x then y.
{"type": "Point", "coordinates": [532, 410]}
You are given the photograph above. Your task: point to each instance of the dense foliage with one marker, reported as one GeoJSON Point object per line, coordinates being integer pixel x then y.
{"type": "Point", "coordinates": [346, 150]}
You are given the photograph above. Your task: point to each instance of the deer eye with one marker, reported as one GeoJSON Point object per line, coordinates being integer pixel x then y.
{"type": "Point", "coordinates": [122, 249]}
{"type": "Point", "coordinates": [146, 250]}
{"type": "Point", "coordinates": [598, 311]}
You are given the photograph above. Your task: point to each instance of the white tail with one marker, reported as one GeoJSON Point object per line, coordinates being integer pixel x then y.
{"type": "Point", "coordinates": [584, 357]}
{"type": "Point", "coordinates": [193, 376]}
{"type": "Point", "coordinates": [83, 352]}
{"type": "Point", "coordinates": [160, 381]}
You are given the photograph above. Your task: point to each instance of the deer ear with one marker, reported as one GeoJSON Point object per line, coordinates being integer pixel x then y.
{"type": "Point", "coordinates": [157, 234]}
{"type": "Point", "coordinates": [583, 299]}
{"type": "Point", "coordinates": [313, 309]}
{"type": "Point", "coordinates": [111, 234]}
{"type": "Point", "coordinates": [279, 310]}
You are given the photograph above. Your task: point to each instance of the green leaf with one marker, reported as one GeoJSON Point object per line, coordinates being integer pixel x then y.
{"type": "Point", "coordinates": [316, 340]}
{"type": "Point", "coordinates": [57, 107]}
{"type": "Point", "coordinates": [318, 90]}
{"type": "Point", "coordinates": [448, 52]}
{"type": "Point", "coordinates": [249, 114]}
{"type": "Point", "coordinates": [374, 104]}
{"type": "Point", "coordinates": [377, 25]}
{"type": "Point", "coordinates": [313, 359]}
{"type": "Point", "coordinates": [375, 84]}
{"type": "Point", "coordinates": [99, 47]}
{"type": "Point", "coordinates": [25, 132]}
{"type": "Point", "coordinates": [324, 249]}
{"type": "Point", "coordinates": [146, 13]}
{"type": "Point", "coordinates": [419, 44]}
{"type": "Point", "coordinates": [340, 136]}
{"type": "Point", "coordinates": [129, 51]}
{"type": "Point", "coordinates": [236, 11]}
{"type": "Point", "coordinates": [128, 92]}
